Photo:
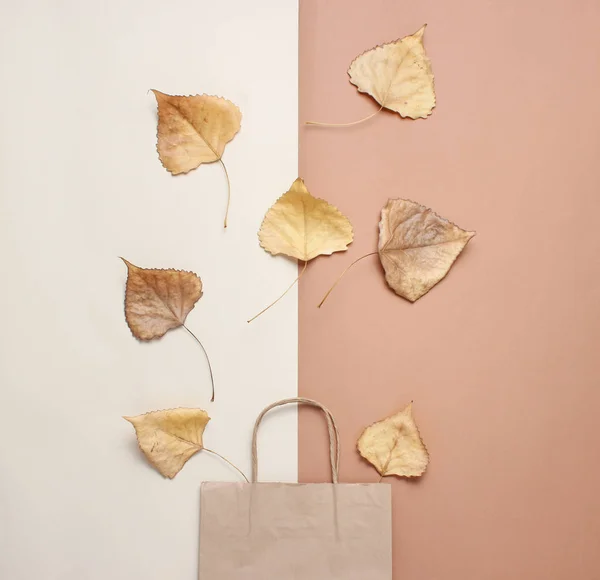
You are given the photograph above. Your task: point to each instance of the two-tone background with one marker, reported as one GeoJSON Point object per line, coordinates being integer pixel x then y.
{"type": "Point", "coordinates": [500, 359]}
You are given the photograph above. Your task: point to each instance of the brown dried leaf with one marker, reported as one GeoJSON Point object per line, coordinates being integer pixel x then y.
{"type": "Point", "coordinates": [194, 130]}
{"type": "Point", "coordinates": [169, 438]}
{"type": "Point", "coordinates": [301, 226]}
{"type": "Point", "coordinates": [394, 446]}
{"type": "Point", "coordinates": [398, 76]}
{"type": "Point", "coordinates": [417, 247]}
{"type": "Point", "coordinates": [157, 301]}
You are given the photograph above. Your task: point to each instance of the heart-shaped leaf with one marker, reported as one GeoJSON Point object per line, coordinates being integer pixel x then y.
{"type": "Point", "coordinates": [169, 438]}
{"type": "Point", "coordinates": [301, 226]}
{"type": "Point", "coordinates": [157, 301]}
{"type": "Point", "coordinates": [394, 446]}
{"type": "Point", "coordinates": [417, 247]}
{"type": "Point", "coordinates": [193, 130]}
{"type": "Point", "coordinates": [397, 75]}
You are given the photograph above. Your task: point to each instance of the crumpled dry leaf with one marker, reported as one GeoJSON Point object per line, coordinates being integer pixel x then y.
{"type": "Point", "coordinates": [301, 226]}
{"type": "Point", "coordinates": [394, 446]}
{"type": "Point", "coordinates": [194, 130]}
{"type": "Point", "coordinates": [157, 301]}
{"type": "Point", "coordinates": [417, 247]}
{"type": "Point", "coordinates": [398, 76]}
{"type": "Point", "coordinates": [169, 438]}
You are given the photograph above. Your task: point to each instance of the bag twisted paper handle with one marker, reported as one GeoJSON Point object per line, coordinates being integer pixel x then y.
{"type": "Point", "coordinates": [334, 436]}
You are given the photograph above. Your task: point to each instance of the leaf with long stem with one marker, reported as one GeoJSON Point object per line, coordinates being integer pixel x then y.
{"type": "Point", "coordinates": [397, 75]}
{"type": "Point", "coordinates": [193, 130]}
{"type": "Point", "coordinates": [157, 301]}
{"type": "Point", "coordinates": [301, 226]}
{"type": "Point", "coordinates": [169, 438]}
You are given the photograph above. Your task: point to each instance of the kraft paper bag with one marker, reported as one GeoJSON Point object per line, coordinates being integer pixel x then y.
{"type": "Point", "coordinates": [282, 531]}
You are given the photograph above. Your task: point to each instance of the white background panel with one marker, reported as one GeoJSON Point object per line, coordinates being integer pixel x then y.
{"type": "Point", "coordinates": [80, 185]}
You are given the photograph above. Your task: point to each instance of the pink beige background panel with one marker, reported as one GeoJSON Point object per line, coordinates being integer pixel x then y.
{"type": "Point", "coordinates": [500, 357]}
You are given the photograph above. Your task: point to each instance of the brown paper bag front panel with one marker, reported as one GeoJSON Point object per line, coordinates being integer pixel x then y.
{"type": "Point", "coordinates": [277, 531]}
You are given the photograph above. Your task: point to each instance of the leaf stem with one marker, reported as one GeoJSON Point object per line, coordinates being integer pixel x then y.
{"type": "Point", "coordinates": [212, 380]}
{"type": "Point", "coordinates": [228, 191]}
{"type": "Point", "coordinates": [227, 461]}
{"type": "Point", "coordinates": [278, 299]}
{"type": "Point", "coordinates": [342, 275]}
{"type": "Point", "coordinates": [345, 124]}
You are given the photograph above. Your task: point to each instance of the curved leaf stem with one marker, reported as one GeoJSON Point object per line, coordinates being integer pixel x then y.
{"type": "Point", "coordinates": [345, 124]}
{"type": "Point", "coordinates": [342, 275]}
{"type": "Point", "coordinates": [227, 461]}
{"type": "Point", "coordinates": [228, 191]}
{"type": "Point", "coordinates": [212, 380]}
{"type": "Point", "coordinates": [278, 299]}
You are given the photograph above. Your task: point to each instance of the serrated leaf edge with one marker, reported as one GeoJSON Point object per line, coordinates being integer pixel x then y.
{"type": "Point", "coordinates": [367, 93]}
{"type": "Point", "coordinates": [127, 264]}
{"type": "Point", "coordinates": [260, 242]}
{"type": "Point", "coordinates": [149, 459]}
{"type": "Point", "coordinates": [420, 439]}
{"type": "Point", "coordinates": [218, 97]}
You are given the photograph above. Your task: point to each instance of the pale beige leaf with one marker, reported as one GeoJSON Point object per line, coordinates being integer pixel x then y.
{"type": "Point", "coordinates": [194, 130]}
{"type": "Point", "coordinates": [158, 300]}
{"type": "Point", "coordinates": [169, 438]}
{"type": "Point", "coordinates": [394, 446]}
{"type": "Point", "coordinates": [304, 227]}
{"type": "Point", "coordinates": [417, 247]}
{"type": "Point", "coordinates": [398, 76]}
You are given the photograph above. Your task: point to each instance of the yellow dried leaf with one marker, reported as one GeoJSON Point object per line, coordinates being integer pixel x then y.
{"type": "Point", "coordinates": [169, 438]}
{"type": "Point", "coordinates": [157, 301]}
{"type": "Point", "coordinates": [398, 76]}
{"type": "Point", "coordinates": [194, 130]}
{"type": "Point", "coordinates": [394, 446]}
{"type": "Point", "coordinates": [301, 226]}
{"type": "Point", "coordinates": [417, 247]}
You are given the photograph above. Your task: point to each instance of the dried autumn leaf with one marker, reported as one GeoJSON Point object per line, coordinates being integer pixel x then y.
{"type": "Point", "coordinates": [394, 446]}
{"type": "Point", "coordinates": [157, 301]}
{"type": "Point", "coordinates": [417, 247]}
{"type": "Point", "coordinates": [301, 226]}
{"type": "Point", "coordinates": [194, 130]}
{"type": "Point", "coordinates": [169, 438]}
{"type": "Point", "coordinates": [397, 75]}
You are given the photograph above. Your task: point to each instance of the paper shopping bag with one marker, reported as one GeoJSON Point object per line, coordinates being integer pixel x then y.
{"type": "Point", "coordinates": [282, 531]}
